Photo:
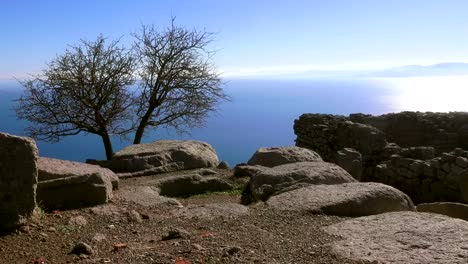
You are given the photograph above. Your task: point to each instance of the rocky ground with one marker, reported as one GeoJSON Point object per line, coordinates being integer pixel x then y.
{"type": "Point", "coordinates": [144, 229]}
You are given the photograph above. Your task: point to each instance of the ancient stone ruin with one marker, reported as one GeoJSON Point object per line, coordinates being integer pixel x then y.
{"type": "Point", "coordinates": [18, 179]}
{"type": "Point", "coordinates": [421, 154]}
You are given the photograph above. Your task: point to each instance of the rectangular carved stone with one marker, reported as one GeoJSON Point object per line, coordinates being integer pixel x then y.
{"type": "Point", "coordinates": [18, 179]}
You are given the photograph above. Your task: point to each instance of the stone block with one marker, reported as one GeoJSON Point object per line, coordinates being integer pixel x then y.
{"type": "Point", "coordinates": [447, 157]}
{"type": "Point", "coordinates": [462, 162]}
{"type": "Point", "coordinates": [18, 179]}
{"type": "Point", "coordinates": [435, 163]}
{"type": "Point", "coordinates": [456, 169]}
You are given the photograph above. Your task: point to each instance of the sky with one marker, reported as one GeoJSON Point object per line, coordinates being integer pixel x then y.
{"type": "Point", "coordinates": [254, 37]}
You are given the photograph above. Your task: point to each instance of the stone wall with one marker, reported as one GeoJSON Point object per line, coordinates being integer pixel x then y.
{"type": "Point", "coordinates": [441, 178]}
{"type": "Point", "coordinates": [327, 134]}
{"type": "Point", "coordinates": [443, 131]}
{"type": "Point", "coordinates": [415, 162]}
{"type": "Point", "coordinates": [330, 135]}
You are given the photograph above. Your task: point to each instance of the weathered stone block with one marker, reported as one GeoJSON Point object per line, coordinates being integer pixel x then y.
{"type": "Point", "coordinates": [422, 153]}
{"type": "Point", "coordinates": [441, 174]}
{"type": "Point", "coordinates": [350, 160]}
{"type": "Point", "coordinates": [458, 152]}
{"type": "Point", "coordinates": [429, 171]}
{"type": "Point", "coordinates": [435, 163]}
{"type": "Point", "coordinates": [416, 167]}
{"type": "Point", "coordinates": [18, 179]}
{"type": "Point", "coordinates": [446, 167]}
{"type": "Point", "coordinates": [462, 162]}
{"type": "Point", "coordinates": [404, 162]}
{"type": "Point", "coordinates": [456, 169]}
{"type": "Point", "coordinates": [74, 191]}
{"type": "Point", "coordinates": [447, 157]}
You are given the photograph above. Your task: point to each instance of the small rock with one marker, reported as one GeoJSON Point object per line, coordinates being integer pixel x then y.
{"type": "Point", "coordinates": [56, 213]}
{"type": "Point", "coordinates": [98, 237]}
{"type": "Point", "coordinates": [78, 220]}
{"type": "Point", "coordinates": [120, 246]}
{"type": "Point", "coordinates": [223, 165]}
{"type": "Point", "coordinates": [198, 247]}
{"type": "Point", "coordinates": [111, 226]}
{"type": "Point", "coordinates": [175, 203]}
{"type": "Point", "coordinates": [234, 250]}
{"type": "Point", "coordinates": [25, 229]}
{"type": "Point", "coordinates": [52, 229]}
{"type": "Point", "coordinates": [39, 260]}
{"type": "Point", "coordinates": [42, 234]}
{"type": "Point", "coordinates": [82, 248]}
{"type": "Point", "coordinates": [134, 216]}
{"type": "Point", "coordinates": [181, 260]}
{"type": "Point", "coordinates": [174, 233]}
{"type": "Point", "coordinates": [145, 216]}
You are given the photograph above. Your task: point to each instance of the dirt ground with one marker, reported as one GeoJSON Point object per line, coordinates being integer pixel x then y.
{"type": "Point", "coordinates": [125, 231]}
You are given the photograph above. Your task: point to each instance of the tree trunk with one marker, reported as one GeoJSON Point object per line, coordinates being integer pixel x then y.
{"type": "Point", "coordinates": [141, 127]}
{"type": "Point", "coordinates": [139, 134]}
{"type": "Point", "coordinates": [107, 145]}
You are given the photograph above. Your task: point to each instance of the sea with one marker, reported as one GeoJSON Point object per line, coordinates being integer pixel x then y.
{"type": "Point", "coordinates": [261, 112]}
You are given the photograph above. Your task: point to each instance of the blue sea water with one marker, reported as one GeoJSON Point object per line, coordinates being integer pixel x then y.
{"type": "Point", "coordinates": [261, 114]}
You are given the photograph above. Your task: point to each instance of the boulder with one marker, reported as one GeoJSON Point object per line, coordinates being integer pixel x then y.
{"type": "Point", "coordinates": [50, 169]}
{"type": "Point", "coordinates": [186, 185]}
{"type": "Point", "coordinates": [295, 175]}
{"type": "Point", "coordinates": [402, 237]}
{"type": "Point", "coordinates": [347, 199]}
{"type": "Point", "coordinates": [244, 170]}
{"type": "Point", "coordinates": [457, 210]}
{"type": "Point", "coordinates": [67, 185]}
{"type": "Point", "coordinates": [271, 157]}
{"type": "Point", "coordinates": [18, 179]}
{"type": "Point", "coordinates": [139, 157]}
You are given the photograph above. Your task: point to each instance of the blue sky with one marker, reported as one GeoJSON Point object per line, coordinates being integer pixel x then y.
{"type": "Point", "coordinates": [254, 37]}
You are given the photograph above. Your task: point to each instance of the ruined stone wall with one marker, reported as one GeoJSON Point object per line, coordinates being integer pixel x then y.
{"type": "Point", "coordinates": [409, 163]}
{"type": "Point", "coordinates": [327, 134]}
{"type": "Point", "coordinates": [443, 178]}
{"type": "Point", "coordinates": [443, 131]}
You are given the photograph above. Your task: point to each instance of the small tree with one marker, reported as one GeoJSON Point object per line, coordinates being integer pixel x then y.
{"type": "Point", "coordinates": [179, 84]}
{"type": "Point", "coordinates": [82, 90]}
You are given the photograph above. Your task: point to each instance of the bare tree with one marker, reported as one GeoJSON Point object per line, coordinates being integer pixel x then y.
{"type": "Point", "coordinates": [179, 84]}
{"type": "Point", "coordinates": [82, 90]}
